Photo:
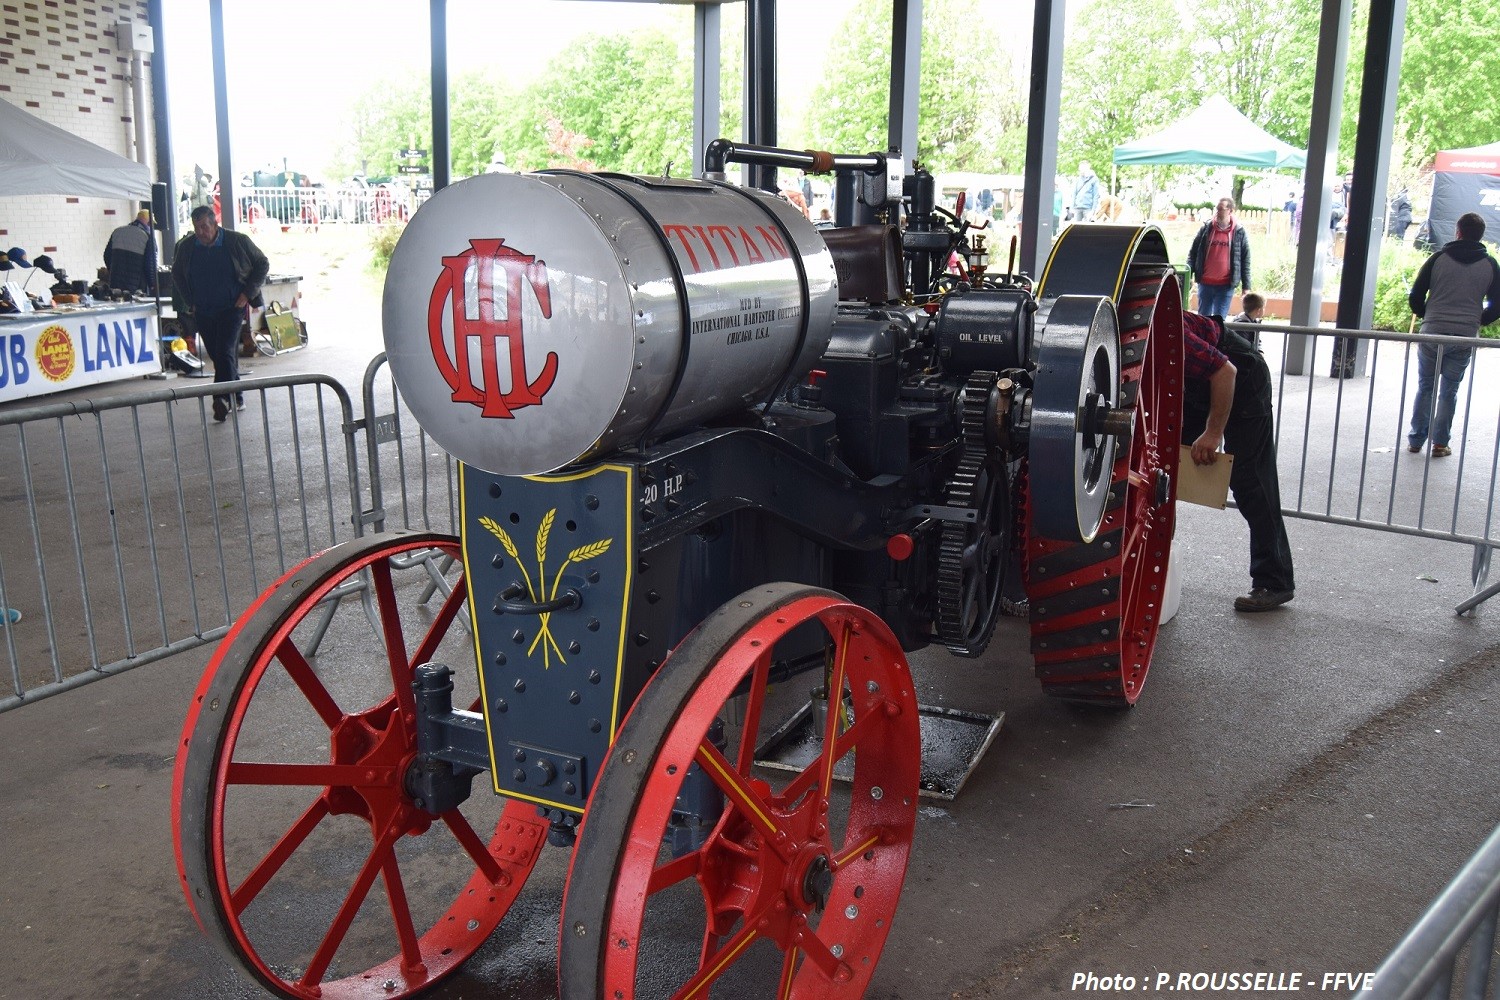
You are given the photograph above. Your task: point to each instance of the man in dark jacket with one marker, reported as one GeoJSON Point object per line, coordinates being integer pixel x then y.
{"type": "Point", "coordinates": [130, 255]}
{"type": "Point", "coordinates": [217, 274]}
{"type": "Point", "coordinates": [1219, 259]}
{"type": "Point", "coordinates": [1457, 291]}
{"type": "Point", "coordinates": [1399, 219]}
{"type": "Point", "coordinates": [1226, 403]}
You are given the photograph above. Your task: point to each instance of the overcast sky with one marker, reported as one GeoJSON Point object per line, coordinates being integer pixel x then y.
{"type": "Point", "coordinates": [294, 66]}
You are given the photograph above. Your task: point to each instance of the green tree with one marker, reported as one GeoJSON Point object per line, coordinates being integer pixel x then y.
{"type": "Point", "coordinates": [1127, 71]}
{"type": "Point", "coordinates": [966, 97]}
{"type": "Point", "coordinates": [1262, 65]}
{"type": "Point", "coordinates": [384, 120]}
{"type": "Point", "coordinates": [1450, 61]}
{"type": "Point", "coordinates": [629, 95]}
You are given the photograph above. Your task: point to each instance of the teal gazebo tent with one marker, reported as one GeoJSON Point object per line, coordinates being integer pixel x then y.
{"type": "Point", "coordinates": [1214, 135]}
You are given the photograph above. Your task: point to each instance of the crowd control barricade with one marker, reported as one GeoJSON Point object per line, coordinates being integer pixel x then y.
{"type": "Point", "coordinates": [138, 526]}
{"type": "Point", "coordinates": [1342, 438]}
{"type": "Point", "coordinates": [1453, 943]}
{"type": "Point", "coordinates": [413, 481]}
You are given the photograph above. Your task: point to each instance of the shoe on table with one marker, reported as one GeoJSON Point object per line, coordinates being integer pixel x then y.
{"type": "Point", "coordinates": [1441, 451]}
{"type": "Point", "coordinates": [1262, 599]}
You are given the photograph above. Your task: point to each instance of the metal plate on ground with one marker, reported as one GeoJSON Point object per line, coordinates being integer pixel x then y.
{"type": "Point", "coordinates": [953, 741]}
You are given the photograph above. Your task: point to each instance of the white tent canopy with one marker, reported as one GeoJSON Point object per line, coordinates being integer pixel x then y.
{"type": "Point", "coordinates": [37, 157]}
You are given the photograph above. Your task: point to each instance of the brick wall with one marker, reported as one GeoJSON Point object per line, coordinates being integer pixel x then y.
{"type": "Point", "coordinates": [59, 61]}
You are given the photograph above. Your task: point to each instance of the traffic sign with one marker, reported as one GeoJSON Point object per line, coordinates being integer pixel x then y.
{"type": "Point", "coordinates": [413, 168]}
{"type": "Point", "coordinates": [411, 154]}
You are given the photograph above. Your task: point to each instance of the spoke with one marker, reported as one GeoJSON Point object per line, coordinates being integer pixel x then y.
{"type": "Point", "coordinates": [674, 871]}
{"type": "Point", "coordinates": [755, 702]}
{"type": "Point", "coordinates": [475, 848]}
{"type": "Point", "coordinates": [818, 954]}
{"type": "Point", "coordinates": [722, 959]}
{"type": "Point", "coordinates": [740, 795]}
{"type": "Point", "coordinates": [835, 692]}
{"type": "Point", "coordinates": [788, 975]}
{"type": "Point", "coordinates": [853, 851]}
{"type": "Point", "coordinates": [406, 933]}
{"type": "Point", "coordinates": [277, 855]}
{"type": "Point", "coordinates": [710, 945]}
{"type": "Point", "coordinates": [331, 775]}
{"type": "Point", "coordinates": [439, 628]}
{"type": "Point", "coordinates": [847, 741]}
{"type": "Point", "coordinates": [308, 682]}
{"type": "Point", "coordinates": [352, 902]}
{"type": "Point", "coordinates": [395, 641]}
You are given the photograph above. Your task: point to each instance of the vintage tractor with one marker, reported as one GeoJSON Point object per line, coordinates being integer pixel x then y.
{"type": "Point", "coordinates": [720, 472]}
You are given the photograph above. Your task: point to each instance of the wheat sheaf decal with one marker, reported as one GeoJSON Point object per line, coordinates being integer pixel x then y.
{"type": "Point", "coordinates": [582, 553]}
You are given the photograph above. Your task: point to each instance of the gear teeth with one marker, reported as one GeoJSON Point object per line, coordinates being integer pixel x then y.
{"type": "Point", "coordinates": [971, 488]}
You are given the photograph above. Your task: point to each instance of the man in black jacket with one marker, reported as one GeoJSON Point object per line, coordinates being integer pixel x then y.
{"type": "Point", "coordinates": [1219, 259]}
{"type": "Point", "coordinates": [217, 273]}
{"type": "Point", "coordinates": [1456, 292]}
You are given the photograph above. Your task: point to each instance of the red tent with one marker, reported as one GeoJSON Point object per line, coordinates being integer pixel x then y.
{"type": "Point", "coordinates": [1467, 180]}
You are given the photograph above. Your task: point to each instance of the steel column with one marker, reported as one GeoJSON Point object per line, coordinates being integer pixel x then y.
{"type": "Point", "coordinates": [706, 66]}
{"type": "Point", "coordinates": [1372, 143]}
{"type": "Point", "coordinates": [906, 81]}
{"type": "Point", "coordinates": [1041, 135]}
{"type": "Point", "coordinates": [221, 115]}
{"type": "Point", "coordinates": [166, 166]}
{"type": "Point", "coordinates": [442, 143]}
{"type": "Point", "coordinates": [760, 86]}
{"type": "Point", "coordinates": [1322, 157]}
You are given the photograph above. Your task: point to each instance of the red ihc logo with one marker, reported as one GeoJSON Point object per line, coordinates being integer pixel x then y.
{"type": "Point", "coordinates": [468, 283]}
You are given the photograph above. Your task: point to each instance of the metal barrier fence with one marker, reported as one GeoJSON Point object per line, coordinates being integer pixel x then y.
{"type": "Point", "coordinates": [137, 527]}
{"type": "Point", "coordinates": [87, 505]}
{"type": "Point", "coordinates": [413, 482]}
{"type": "Point", "coordinates": [314, 206]}
{"type": "Point", "coordinates": [1342, 443]}
{"type": "Point", "coordinates": [1453, 940]}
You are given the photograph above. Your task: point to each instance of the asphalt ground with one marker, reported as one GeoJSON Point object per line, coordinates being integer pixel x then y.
{"type": "Point", "coordinates": [1290, 793]}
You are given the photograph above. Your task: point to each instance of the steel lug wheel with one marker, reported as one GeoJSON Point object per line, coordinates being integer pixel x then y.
{"type": "Point", "coordinates": [291, 796]}
{"type": "Point", "coordinates": [792, 892]}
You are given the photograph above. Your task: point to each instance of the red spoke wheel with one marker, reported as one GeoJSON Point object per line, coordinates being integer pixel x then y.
{"type": "Point", "coordinates": [1096, 607]}
{"type": "Point", "coordinates": [291, 803]}
{"type": "Point", "coordinates": [789, 891]}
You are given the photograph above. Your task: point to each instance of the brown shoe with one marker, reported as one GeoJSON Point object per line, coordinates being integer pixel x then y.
{"type": "Point", "coordinates": [1261, 599]}
{"type": "Point", "coordinates": [1441, 451]}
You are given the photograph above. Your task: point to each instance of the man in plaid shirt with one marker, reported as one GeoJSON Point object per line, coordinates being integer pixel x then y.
{"type": "Point", "coordinates": [1227, 403]}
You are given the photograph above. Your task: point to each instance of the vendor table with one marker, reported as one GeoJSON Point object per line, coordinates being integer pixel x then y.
{"type": "Point", "coordinates": [68, 347]}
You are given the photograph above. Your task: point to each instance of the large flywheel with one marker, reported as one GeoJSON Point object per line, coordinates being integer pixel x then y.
{"type": "Point", "coordinates": [1096, 600]}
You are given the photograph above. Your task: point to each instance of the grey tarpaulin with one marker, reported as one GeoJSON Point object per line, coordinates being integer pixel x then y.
{"type": "Point", "coordinates": [37, 157]}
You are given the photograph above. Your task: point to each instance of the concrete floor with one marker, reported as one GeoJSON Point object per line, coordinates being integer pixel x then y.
{"type": "Point", "coordinates": [1292, 790]}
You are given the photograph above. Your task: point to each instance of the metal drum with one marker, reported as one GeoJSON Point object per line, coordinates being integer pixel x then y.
{"type": "Point", "coordinates": [536, 320]}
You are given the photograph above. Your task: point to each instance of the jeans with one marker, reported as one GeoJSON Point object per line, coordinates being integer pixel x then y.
{"type": "Point", "coordinates": [1455, 362]}
{"type": "Point", "coordinates": [1214, 300]}
{"type": "Point", "coordinates": [221, 336]}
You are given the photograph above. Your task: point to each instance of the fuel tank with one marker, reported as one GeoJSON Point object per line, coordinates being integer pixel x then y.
{"type": "Point", "coordinates": [534, 321]}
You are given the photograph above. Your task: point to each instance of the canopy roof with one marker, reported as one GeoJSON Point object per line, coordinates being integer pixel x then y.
{"type": "Point", "coordinates": [1472, 160]}
{"type": "Point", "coordinates": [1215, 135]}
{"type": "Point", "coordinates": [37, 157]}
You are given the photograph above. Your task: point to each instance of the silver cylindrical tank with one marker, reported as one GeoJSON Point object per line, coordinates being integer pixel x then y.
{"type": "Point", "coordinates": [536, 320]}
